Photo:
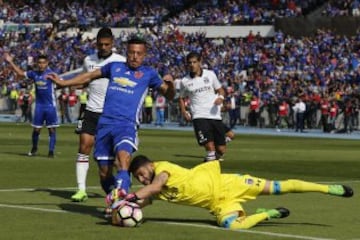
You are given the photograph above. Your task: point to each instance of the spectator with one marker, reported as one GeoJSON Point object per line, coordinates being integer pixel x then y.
{"type": "Point", "coordinates": [299, 110]}
{"type": "Point", "coordinates": [160, 104]}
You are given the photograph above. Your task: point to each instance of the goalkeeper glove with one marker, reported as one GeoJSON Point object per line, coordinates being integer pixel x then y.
{"type": "Point", "coordinates": [131, 197]}
{"type": "Point", "coordinates": [114, 195]}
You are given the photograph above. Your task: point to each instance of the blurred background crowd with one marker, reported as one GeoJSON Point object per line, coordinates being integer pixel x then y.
{"type": "Point", "coordinates": [264, 77]}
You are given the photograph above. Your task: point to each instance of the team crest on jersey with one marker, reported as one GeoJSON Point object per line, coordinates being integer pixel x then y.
{"type": "Point", "coordinates": [249, 181]}
{"type": "Point", "coordinates": [138, 74]}
{"type": "Point", "coordinates": [125, 82]}
{"type": "Point", "coordinates": [206, 80]}
{"type": "Point", "coordinates": [118, 70]}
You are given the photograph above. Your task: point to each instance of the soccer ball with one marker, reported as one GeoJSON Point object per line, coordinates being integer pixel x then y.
{"type": "Point", "coordinates": [128, 214]}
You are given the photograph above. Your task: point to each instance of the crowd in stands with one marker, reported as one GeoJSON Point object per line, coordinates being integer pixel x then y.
{"type": "Point", "coordinates": [254, 69]}
{"type": "Point", "coordinates": [88, 13]}
{"type": "Point", "coordinates": [335, 8]}
{"type": "Point", "coordinates": [243, 12]}
{"type": "Point", "coordinates": [148, 13]}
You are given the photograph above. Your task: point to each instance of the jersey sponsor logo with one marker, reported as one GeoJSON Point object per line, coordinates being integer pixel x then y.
{"type": "Point", "coordinates": [40, 83]}
{"type": "Point", "coordinates": [138, 74]}
{"type": "Point", "coordinates": [202, 89]}
{"type": "Point", "coordinates": [125, 82]}
{"type": "Point", "coordinates": [121, 89]}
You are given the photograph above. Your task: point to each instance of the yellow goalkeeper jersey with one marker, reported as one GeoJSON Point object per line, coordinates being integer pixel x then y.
{"type": "Point", "coordinates": [204, 186]}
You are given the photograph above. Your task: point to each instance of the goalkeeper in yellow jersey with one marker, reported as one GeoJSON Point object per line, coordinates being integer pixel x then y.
{"type": "Point", "coordinates": [222, 194]}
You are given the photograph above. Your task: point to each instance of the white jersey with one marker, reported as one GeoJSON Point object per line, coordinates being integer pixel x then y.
{"type": "Point", "coordinates": [201, 91]}
{"type": "Point", "coordinates": [97, 88]}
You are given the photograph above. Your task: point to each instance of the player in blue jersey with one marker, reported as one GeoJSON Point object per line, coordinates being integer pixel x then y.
{"type": "Point", "coordinates": [45, 101]}
{"type": "Point", "coordinates": [116, 137]}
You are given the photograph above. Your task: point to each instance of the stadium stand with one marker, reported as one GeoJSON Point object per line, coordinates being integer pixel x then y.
{"type": "Point", "coordinates": [281, 67]}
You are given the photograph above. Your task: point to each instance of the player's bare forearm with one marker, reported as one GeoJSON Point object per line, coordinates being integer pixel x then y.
{"type": "Point", "coordinates": [183, 111]}
{"type": "Point", "coordinates": [147, 191]}
{"type": "Point", "coordinates": [221, 96]}
{"type": "Point", "coordinates": [17, 69]}
{"type": "Point", "coordinates": [168, 88]}
{"type": "Point", "coordinates": [78, 80]}
{"type": "Point", "coordinates": [154, 188]}
{"type": "Point", "coordinates": [170, 92]}
{"type": "Point", "coordinates": [144, 202]}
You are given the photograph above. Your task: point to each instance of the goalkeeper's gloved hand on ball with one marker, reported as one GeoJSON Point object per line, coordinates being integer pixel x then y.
{"type": "Point", "coordinates": [131, 197]}
{"type": "Point", "coordinates": [114, 195]}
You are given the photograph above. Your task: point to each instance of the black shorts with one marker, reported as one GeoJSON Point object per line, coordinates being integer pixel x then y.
{"type": "Point", "coordinates": [226, 128]}
{"type": "Point", "coordinates": [90, 122]}
{"type": "Point", "coordinates": [209, 130]}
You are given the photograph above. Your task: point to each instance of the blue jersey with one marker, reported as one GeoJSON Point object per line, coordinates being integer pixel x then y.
{"type": "Point", "coordinates": [44, 88]}
{"type": "Point", "coordinates": [126, 91]}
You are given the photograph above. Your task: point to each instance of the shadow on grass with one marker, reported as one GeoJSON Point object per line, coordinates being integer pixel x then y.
{"type": "Point", "coordinates": [214, 224]}
{"type": "Point", "coordinates": [181, 220]}
{"type": "Point", "coordinates": [94, 211]}
{"type": "Point", "coordinates": [25, 155]}
{"type": "Point", "coordinates": [76, 207]}
{"type": "Point", "coordinates": [188, 156]}
{"type": "Point", "coordinates": [66, 194]}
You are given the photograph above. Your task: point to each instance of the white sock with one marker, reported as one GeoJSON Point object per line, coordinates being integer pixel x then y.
{"type": "Point", "coordinates": [210, 156]}
{"type": "Point", "coordinates": [228, 139]}
{"type": "Point", "coordinates": [82, 167]}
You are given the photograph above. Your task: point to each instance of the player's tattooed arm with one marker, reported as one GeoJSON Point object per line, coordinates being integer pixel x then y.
{"type": "Point", "coordinates": [154, 187]}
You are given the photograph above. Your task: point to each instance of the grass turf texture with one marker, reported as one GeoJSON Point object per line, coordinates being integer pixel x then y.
{"type": "Point", "coordinates": [45, 184]}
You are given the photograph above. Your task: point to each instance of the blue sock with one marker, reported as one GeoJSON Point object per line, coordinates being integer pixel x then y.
{"type": "Point", "coordinates": [108, 184]}
{"type": "Point", "coordinates": [35, 139]}
{"type": "Point", "coordinates": [123, 180]}
{"type": "Point", "coordinates": [52, 140]}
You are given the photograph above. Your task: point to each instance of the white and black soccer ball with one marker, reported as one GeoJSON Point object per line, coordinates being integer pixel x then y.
{"type": "Point", "coordinates": [128, 214]}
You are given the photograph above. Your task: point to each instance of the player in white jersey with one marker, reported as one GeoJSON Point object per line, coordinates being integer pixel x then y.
{"type": "Point", "coordinates": [94, 106]}
{"type": "Point", "coordinates": [206, 98]}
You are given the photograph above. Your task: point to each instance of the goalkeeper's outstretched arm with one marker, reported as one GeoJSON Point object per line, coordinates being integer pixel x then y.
{"type": "Point", "coordinates": [151, 189]}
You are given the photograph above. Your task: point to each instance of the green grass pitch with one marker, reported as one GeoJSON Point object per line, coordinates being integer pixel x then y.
{"type": "Point", "coordinates": [35, 191]}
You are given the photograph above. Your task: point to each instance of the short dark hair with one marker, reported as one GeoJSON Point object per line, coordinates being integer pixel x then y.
{"type": "Point", "coordinates": [42, 56]}
{"type": "Point", "coordinates": [137, 40]}
{"type": "Point", "coordinates": [138, 162]}
{"type": "Point", "coordinates": [104, 32]}
{"type": "Point", "coordinates": [193, 55]}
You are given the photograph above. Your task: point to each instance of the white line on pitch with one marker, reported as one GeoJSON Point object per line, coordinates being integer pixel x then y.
{"type": "Point", "coordinates": [246, 231]}
{"type": "Point", "coordinates": [180, 224]}
{"type": "Point", "coordinates": [33, 208]}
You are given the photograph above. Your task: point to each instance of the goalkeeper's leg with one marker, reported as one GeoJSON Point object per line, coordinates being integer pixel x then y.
{"type": "Point", "coordinates": [234, 221]}
{"type": "Point", "coordinates": [299, 186]}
